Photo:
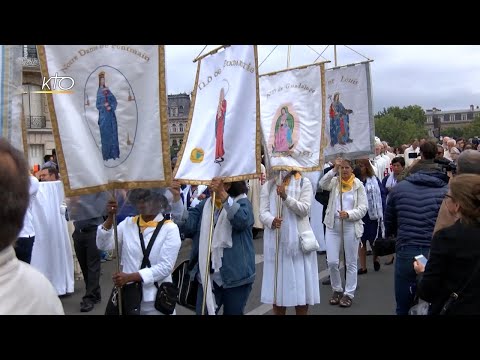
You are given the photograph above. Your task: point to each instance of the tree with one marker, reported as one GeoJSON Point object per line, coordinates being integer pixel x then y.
{"type": "Point", "coordinates": [412, 112]}
{"type": "Point", "coordinates": [454, 132]}
{"type": "Point", "coordinates": [396, 131]}
{"type": "Point", "coordinates": [472, 130]}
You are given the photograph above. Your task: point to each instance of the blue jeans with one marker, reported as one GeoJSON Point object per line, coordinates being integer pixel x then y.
{"type": "Point", "coordinates": [405, 276]}
{"type": "Point", "coordinates": [23, 248]}
{"type": "Point", "coordinates": [233, 299]}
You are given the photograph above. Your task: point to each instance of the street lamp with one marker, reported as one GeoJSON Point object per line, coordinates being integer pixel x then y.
{"type": "Point", "coordinates": [436, 123]}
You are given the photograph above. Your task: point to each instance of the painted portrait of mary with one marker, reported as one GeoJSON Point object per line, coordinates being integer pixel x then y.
{"type": "Point", "coordinates": [283, 138]}
{"type": "Point", "coordinates": [107, 120]}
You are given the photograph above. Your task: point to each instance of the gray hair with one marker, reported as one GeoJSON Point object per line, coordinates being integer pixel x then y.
{"type": "Point", "coordinates": [469, 162]}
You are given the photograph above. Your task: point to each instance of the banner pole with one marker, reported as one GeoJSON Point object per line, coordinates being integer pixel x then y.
{"type": "Point", "coordinates": [117, 263]}
{"type": "Point", "coordinates": [277, 243]}
{"type": "Point", "coordinates": [207, 265]}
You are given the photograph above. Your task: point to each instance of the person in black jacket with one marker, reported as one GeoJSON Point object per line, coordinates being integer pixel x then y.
{"type": "Point", "coordinates": [454, 259]}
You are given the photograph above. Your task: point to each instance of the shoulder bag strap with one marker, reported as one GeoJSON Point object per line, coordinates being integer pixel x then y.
{"type": "Point", "coordinates": [454, 295]}
{"type": "Point", "coordinates": [477, 267]}
{"type": "Point", "coordinates": [146, 252]}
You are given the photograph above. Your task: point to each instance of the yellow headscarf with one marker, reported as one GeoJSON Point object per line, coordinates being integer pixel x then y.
{"type": "Point", "coordinates": [347, 185]}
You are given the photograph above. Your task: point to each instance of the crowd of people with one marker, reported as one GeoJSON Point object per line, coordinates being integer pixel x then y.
{"type": "Point", "coordinates": [425, 194]}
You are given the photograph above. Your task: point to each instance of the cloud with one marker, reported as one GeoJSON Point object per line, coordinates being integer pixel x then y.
{"type": "Point", "coordinates": [444, 76]}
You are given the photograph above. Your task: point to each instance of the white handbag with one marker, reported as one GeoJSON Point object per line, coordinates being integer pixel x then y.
{"type": "Point", "coordinates": [307, 239]}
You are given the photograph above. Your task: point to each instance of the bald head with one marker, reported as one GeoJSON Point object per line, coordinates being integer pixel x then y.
{"type": "Point", "coordinates": [468, 162]}
{"type": "Point", "coordinates": [14, 196]}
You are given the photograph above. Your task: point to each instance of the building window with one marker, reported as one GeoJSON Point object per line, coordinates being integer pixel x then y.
{"type": "Point", "coordinates": [33, 105]}
{"type": "Point", "coordinates": [180, 127]}
{"type": "Point", "coordinates": [452, 117]}
{"type": "Point", "coordinates": [30, 51]}
{"type": "Point", "coordinates": [180, 110]}
{"type": "Point", "coordinates": [174, 142]}
{"type": "Point", "coordinates": [464, 117]}
{"type": "Point", "coordinates": [429, 119]}
{"type": "Point", "coordinates": [441, 118]}
{"type": "Point", "coordinates": [174, 128]}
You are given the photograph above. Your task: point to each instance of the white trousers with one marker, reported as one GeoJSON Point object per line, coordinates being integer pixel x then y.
{"type": "Point", "coordinates": [332, 239]}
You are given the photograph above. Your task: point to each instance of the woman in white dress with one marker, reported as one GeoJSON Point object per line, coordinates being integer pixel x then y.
{"type": "Point", "coordinates": [297, 281]}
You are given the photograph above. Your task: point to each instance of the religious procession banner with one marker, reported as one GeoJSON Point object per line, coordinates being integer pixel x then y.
{"type": "Point", "coordinates": [350, 127]}
{"type": "Point", "coordinates": [293, 117]}
{"type": "Point", "coordinates": [108, 106]}
{"type": "Point", "coordinates": [223, 131]}
{"type": "Point", "coordinates": [12, 126]}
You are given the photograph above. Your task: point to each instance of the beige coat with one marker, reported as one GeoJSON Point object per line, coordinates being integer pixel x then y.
{"type": "Point", "coordinates": [24, 290]}
{"type": "Point", "coordinates": [444, 218]}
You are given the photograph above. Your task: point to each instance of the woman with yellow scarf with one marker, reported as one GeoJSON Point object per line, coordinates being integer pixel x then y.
{"type": "Point", "coordinates": [351, 211]}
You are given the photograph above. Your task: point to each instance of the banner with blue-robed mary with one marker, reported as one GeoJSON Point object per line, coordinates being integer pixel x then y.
{"type": "Point", "coordinates": [292, 117]}
{"type": "Point", "coordinates": [350, 127]}
{"type": "Point", "coordinates": [223, 132]}
{"type": "Point", "coordinates": [108, 105]}
{"type": "Point", "coordinates": [12, 126]}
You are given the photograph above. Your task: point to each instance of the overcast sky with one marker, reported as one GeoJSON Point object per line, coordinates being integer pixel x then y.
{"type": "Point", "coordinates": [442, 76]}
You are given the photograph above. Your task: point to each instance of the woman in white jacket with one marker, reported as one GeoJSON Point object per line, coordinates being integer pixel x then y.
{"type": "Point", "coordinates": [354, 208]}
{"type": "Point", "coordinates": [151, 204]}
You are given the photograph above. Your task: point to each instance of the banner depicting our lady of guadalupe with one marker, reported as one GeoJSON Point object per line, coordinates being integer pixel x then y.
{"type": "Point", "coordinates": [292, 117]}
{"type": "Point", "coordinates": [12, 126]}
{"type": "Point", "coordinates": [223, 132]}
{"type": "Point", "coordinates": [108, 105]}
{"type": "Point", "coordinates": [349, 128]}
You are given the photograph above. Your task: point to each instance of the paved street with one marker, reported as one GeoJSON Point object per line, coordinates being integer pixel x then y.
{"type": "Point", "coordinates": [374, 296]}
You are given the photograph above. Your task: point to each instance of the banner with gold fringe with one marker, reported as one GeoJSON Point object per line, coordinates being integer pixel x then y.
{"type": "Point", "coordinates": [108, 106]}
{"type": "Point", "coordinates": [223, 132]}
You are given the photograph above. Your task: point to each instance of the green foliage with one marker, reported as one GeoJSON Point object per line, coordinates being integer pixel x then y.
{"type": "Point", "coordinates": [397, 131]}
{"type": "Point", "coordinates": [412, 113]}
{"type": "Point", "coordinates": [472, 129]}
{"type": "Point", "coordinates": [453, 132]}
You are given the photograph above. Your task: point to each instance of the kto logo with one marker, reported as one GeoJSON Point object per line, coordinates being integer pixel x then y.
{"type": "Point", "coordinates": [57, 85]}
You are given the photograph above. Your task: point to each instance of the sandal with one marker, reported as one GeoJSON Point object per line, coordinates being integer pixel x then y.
{"type": "Point", "coordinates": [335, 299]}
{"type": "Point", "coordinates": [346, 301]}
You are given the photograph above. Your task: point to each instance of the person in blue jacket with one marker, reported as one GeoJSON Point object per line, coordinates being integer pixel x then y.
{"type": "Point", "coordinates": [232, 266]}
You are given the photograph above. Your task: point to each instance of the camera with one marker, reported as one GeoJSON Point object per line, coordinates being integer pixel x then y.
{"type": "Point", "coordinates": [446, 165]}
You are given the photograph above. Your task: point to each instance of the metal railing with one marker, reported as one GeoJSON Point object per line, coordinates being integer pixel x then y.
{"type": "Point", "coordinates": [36, 122]}
{"type": "Point", "coordinates": [30, 62]}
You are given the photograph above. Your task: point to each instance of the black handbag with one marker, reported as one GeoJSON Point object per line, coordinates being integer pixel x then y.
{"type": "Point", "coordinates": [188, 287]}
{"type": "Point", "coordinates": [167, 293]}
{"type": "Point", "coordinates": [167, 297]}
{"type": "Point", "coordinates": [131, 295]}
{"type": "Point", "coordinates": [382, 246]}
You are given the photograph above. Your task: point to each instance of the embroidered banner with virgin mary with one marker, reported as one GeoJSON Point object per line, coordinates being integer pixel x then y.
{"type": "Point", "coordinates": [292, 117]}
{"type": "Point", "coordinates": [350, 128]}
{"type": "Point", "coordinates": [108, 106]}
{"type": "Point", "coordinates": [12, 126]}
{"type": "Point", "coordinates": [223, 131]}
